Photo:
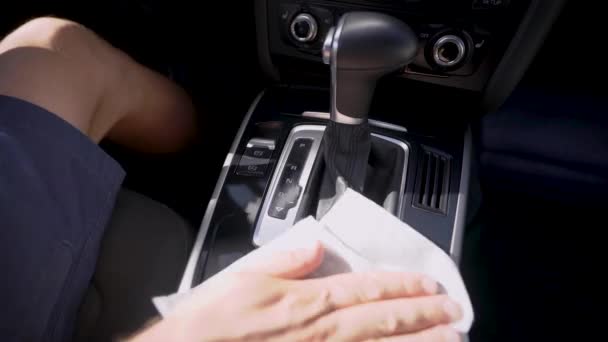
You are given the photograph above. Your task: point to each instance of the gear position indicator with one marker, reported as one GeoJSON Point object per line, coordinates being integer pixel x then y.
{"type": "Point", "coordinates": [288, 191]}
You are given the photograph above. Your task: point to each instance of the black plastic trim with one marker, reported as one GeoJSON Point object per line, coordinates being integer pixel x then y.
{"type": "Point", "coordinates": [261, 19]}
{"type": "Point", "coordinates": [524, 46]}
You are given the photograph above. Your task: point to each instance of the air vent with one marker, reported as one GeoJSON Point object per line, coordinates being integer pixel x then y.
{"type": "Point", "coordinates": [433, 181]}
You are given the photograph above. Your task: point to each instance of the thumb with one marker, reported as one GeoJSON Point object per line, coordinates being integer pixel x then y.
{"type": "Point", "coordinates": [292, 264]}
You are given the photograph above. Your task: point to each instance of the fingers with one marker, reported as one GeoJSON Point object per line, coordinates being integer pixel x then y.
{"type": "Point", "coordinates": [439, 333]}
{"type": "Point", "coordinates": [350, 289]}
{"type": "Point", "coordinates": [390, 318]}
{"type": "Point", "coordinates": [291, 264]}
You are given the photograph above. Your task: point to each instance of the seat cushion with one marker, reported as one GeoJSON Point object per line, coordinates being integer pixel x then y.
{"type": "Point", "coordinates": [143, 254]}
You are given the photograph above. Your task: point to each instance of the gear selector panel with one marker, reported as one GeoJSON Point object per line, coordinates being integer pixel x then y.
{"type": "Point", "coordinates": [284, 196]}
{"type": "Point", "coordinates": [284, 199]}
{"type": "Point", "coordinates": [288, 191]}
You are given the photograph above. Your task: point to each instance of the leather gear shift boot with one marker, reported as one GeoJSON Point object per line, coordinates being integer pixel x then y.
{"type": "Point", "coordinates": [352, 158]}
{"type": "Point", "coordinates": [345, 152]}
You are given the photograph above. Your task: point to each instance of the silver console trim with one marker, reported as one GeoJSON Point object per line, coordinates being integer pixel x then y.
{"type": "Point", "coordinates": [269, 144]}
{"type": "Point", "coordinates": [327, 44]}
{"type": "Point", "coordinates": [406, 159]}
{"type": "Point", "coordinates": [372, 122]}
{"type": "Point", "coordinates": [188, 275]}
{"type": "Point", "coordinates": [461, 205]}
{"type": "Point", "coordinates": [332, 58]}
{"type": "Point", "coordinates": [267, 227]}
{"type": "Point", "coordinates": [386, 125]}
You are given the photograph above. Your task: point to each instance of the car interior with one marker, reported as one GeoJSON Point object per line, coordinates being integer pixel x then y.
{"type": "Point", "coordinates": [484, 129]}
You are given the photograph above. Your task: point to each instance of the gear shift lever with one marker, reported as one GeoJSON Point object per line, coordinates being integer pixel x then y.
{"type": "Point", "coordinates": [363, 47]}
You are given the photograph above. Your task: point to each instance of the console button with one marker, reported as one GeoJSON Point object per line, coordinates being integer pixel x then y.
{"type": "Point", "coordinates": [254, 161]}
{"type": "Point", "coordinates": [288, 191]}
{"type": "Point", "coordinates": [304, 28]}
{"type": "Point", "coordinates": [301, 28]}
{"type": "Point", "coordinates": [249, 166]}
{"type": "Point", "coordinates": [258, 152]}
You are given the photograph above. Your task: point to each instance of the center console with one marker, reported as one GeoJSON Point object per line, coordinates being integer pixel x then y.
{"type": "Point", "coordinates": [321, 125]}
{"type": "Point", "coordinates": [267, 172]}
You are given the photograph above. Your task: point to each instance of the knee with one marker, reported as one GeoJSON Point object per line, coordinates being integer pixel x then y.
{"type": "Point", "coordinates": [77, 46]}
{"type": "Point", "coordinates": [44, 32]}
{"type": "Point", "coordinates": [48, 33]}
{"type": "Point", "coordinates": [46, 59]}
{"type": "Point", "coordinates": [59, 50]}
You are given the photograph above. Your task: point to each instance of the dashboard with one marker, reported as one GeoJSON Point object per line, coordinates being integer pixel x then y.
{"type": "Point", "coordinates": [478, 46]}
{"type": "Point", "coordinates": [461, 42]}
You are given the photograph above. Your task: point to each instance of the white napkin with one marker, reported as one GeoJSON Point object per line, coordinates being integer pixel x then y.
{"type": "Point", "coordinates": [358, 235]}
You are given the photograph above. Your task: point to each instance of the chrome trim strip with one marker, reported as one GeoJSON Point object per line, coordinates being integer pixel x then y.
{"type": "Point", "coordinates": [327, 44]}
{"type": "Point", "coordinates": [186, 282]}
{"type": "Point", "coordinates": [335, 113]}
{"type": "Point", "coordinates": [269, 144]}
{"type": "Point", "coordinates": [330, 56]}
{"type": "Point", "coordinates": [372, 122]}
{"type": "Point", "coordinates": [345, 119]}
{"type": "Point", "coordinates": [406, 159]}
{"type": "Point", "coordinates": [386, 125]}
{"type": "Point", "coordinates": [316, 115]}
{"type": "Point", "coordinates": [267, 227]}
{"type": "Point", "coordinates": [461, 206]}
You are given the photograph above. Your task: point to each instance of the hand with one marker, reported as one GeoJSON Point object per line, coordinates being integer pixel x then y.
{"type": "Point", "coordinates": [269, 302]}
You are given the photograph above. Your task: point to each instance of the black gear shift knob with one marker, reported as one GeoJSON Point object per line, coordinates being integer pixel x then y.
{"type": "Point", "coordinates": [360, 49]}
